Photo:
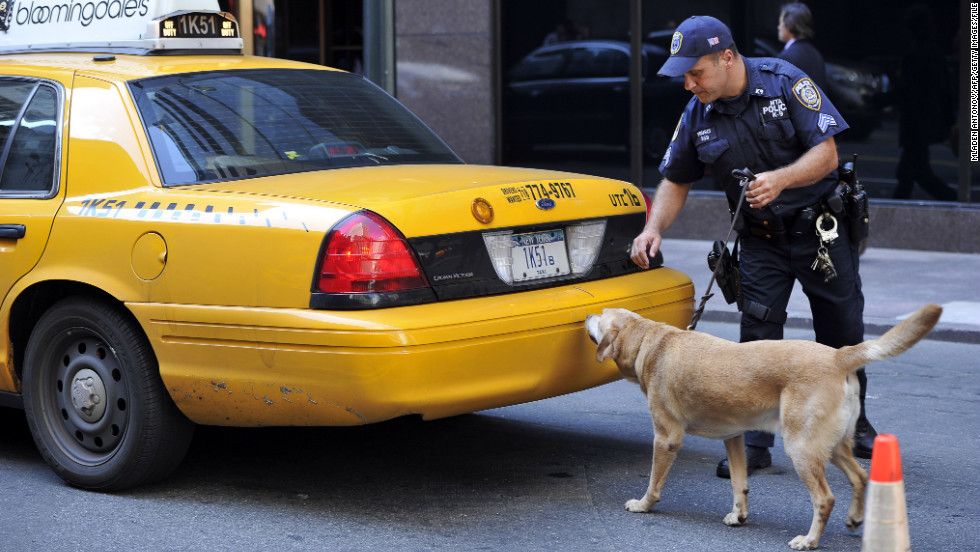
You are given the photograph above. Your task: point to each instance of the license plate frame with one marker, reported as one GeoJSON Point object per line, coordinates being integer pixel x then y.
{"type": "Point", "coordinates": [539, 255]}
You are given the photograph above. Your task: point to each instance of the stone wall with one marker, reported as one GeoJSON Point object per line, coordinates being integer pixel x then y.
{"type": "Point", "coordinates": [444, 71]}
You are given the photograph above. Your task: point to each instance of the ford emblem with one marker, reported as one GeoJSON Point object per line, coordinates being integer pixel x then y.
{"type": "Point", "coordinates": [545, 203]}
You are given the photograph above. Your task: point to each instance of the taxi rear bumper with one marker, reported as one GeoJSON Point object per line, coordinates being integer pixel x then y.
{"type": "Point", "coordinates": [250, 366]}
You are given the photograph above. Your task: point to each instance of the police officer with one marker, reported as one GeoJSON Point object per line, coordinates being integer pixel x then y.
{"type": "Point", "coordinates": [767, 115]}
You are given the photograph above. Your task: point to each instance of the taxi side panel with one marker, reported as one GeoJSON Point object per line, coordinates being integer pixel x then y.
{"type": "Point", "coordinates": [206, 248]}
{"type": "Point", "coordinates": [19, 256]}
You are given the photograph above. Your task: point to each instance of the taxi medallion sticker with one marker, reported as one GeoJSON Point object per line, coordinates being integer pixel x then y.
{"type": "Point", "coordinates": [482, 210]}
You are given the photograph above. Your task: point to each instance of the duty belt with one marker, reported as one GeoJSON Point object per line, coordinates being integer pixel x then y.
{"type": "Point", "coordinates": [773, 229]}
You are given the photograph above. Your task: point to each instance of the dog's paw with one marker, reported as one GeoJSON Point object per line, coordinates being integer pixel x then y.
{"type": "Point", "coordinates": [636, 506]}
{"type": "Point", "coordinates": [853, 524]}
{"type": "Point", "coordinates": [803, 542]}
{"type": "Point", "coordinates": [733, 519]}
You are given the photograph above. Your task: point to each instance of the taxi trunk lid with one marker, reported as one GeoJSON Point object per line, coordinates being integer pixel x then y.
{"type": "Point", "coordinates": [423, 200]}
{"type": "Point", "coordinates": [547, 227]}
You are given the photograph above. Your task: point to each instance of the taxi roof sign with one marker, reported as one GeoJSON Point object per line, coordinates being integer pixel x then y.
{"type": "Point", "coordinates": [119, 26]}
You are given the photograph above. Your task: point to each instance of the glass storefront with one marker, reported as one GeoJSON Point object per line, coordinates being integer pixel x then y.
{"type": "Point", "coordinates": [891, 71]}
{"type": "Point", "coordinates": [565, 85]}
{"type": "Point", "coordinates": [325, 32]}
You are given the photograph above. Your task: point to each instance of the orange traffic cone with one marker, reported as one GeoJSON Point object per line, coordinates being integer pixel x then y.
{"type": "Point", "coordinates": [886, 523]}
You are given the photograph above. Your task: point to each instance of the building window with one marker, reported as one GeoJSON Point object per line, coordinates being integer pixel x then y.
{"type": "Point", "coordinates": [325, 32]}
{"type": "Point", "coordinates": [565, 86]}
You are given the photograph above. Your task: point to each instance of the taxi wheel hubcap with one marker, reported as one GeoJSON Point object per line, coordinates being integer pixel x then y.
{"type": "Point", "coordinates": [89, 398]}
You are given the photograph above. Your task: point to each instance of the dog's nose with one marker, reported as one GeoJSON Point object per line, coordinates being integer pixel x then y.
{"type": "Point", "coordinates": [591, 325]}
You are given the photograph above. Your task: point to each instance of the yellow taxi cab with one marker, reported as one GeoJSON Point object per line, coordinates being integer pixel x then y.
{"type": "Point", "coordinates": [193, 236]}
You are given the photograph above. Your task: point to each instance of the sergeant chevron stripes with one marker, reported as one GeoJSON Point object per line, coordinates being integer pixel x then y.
{"type": "Point", "coordinates": [825, 121]}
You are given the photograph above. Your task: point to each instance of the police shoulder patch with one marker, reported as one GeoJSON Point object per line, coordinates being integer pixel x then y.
{"type": "Point", "coordinates": [807, 94]}
{"type": "Point", "coordinates": [675, 43]}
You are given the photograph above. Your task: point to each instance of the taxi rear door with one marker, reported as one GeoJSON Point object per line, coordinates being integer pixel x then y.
{"type": "Point", "coordinates": [32, 107]}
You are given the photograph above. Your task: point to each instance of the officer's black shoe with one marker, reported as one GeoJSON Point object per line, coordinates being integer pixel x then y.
{"type": "Point", "coordinates": [864, 438]}
{"type": "Point", "coordinates": [756, 458]}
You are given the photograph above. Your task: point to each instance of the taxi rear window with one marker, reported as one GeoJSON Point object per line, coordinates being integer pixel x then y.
{"type": "Point", "coordinates": [227, 125]}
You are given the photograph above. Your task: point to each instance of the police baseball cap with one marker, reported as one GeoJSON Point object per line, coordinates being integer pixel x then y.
{"type": "Point", "coordinates": [697, 36]}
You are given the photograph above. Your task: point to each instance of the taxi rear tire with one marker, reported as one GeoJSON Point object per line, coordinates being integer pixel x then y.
{"type": "Point", "coordinates": [94, 400]}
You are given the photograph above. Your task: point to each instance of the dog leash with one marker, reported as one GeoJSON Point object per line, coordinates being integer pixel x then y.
{"type": "Point", "coordinates": [745, 176]}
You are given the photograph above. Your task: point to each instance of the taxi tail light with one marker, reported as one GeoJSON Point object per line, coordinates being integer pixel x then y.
{"type": "Point", "coordinates": [648, 199]}
{"type": "Point", "coordinates": [499, 247]}
{"type": "Point", "coordinates": [584, 242]}
{"type": "Point", "coordinates": [364, 253]}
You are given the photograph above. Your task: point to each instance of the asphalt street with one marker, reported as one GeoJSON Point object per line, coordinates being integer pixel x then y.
{"type": "Point", "coordinates": [550, 475]}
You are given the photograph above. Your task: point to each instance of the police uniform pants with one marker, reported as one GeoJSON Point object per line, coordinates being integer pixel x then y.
{"type": "Point", "coordinates": [769, 270]}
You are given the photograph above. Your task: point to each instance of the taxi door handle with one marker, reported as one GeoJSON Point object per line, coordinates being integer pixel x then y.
{"type": "Point", "coordinates": [12, 231]}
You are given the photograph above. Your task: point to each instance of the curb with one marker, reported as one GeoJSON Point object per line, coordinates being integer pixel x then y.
{"type": "Point", "coordinates": [939, 333]}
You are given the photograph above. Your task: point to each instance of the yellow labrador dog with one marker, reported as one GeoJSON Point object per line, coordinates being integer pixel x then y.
{"type": "Point", "coordinates": [704, 385]}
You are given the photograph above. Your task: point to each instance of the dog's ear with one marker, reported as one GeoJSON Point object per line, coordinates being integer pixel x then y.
{"type": "Point", "coordinates": [609, 346]}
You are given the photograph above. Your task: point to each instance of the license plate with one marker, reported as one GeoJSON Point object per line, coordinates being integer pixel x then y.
{"type": "Point", "coordinates": [539, 255]}
{"type": "Point", "coordinates": [198, 25]}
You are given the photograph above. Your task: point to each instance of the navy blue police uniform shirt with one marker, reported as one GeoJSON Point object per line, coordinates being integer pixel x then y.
{"type": "Point", "coordinates": [780, 116]}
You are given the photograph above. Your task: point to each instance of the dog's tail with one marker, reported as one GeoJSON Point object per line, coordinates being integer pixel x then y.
{"type": "Point", "coordinates": [895, 341]}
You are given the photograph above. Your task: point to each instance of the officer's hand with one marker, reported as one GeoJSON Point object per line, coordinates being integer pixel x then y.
{"type": "Point", "coordinates": [763, 190]}
{"type": "Point", "coordinates": [647, 243]}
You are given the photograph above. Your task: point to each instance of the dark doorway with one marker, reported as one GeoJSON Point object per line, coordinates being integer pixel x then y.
{"type": "Point", "coordinates": [325, 32]}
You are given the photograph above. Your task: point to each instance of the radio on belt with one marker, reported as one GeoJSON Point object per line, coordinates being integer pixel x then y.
{"type": "Point", "coordinates": [117, 26]}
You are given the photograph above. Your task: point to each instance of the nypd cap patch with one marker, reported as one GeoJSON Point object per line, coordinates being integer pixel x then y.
{"type": "Point", "coordinates": [807, 94]}
{"type": "Point", "coordinates": [675, 42]}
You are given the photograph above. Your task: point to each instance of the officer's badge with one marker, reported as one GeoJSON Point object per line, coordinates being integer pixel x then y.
{"type": "Point", "coordinates": [808, 94]}
{"type": "Point", "coordinates": [6, 12]}
{"type": "Point", "coordinates": [675, 43]}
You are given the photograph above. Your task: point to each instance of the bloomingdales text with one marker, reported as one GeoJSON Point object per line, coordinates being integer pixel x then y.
{"type": "Point", "coordinates": [82, 12]}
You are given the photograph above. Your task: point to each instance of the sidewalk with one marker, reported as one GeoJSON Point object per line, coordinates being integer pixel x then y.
{"type": "Point", "coordinates": [896, 282]}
